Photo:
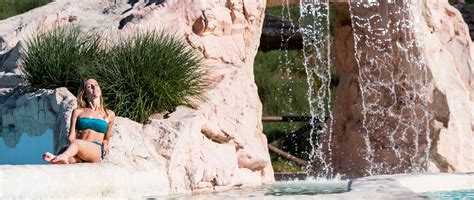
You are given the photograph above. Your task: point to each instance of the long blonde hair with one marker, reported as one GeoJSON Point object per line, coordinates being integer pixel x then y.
{"type": "Point", "coordinates": [82, 101]}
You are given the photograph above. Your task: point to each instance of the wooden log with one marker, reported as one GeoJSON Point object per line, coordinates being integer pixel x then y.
{"type": "Point", "coordinates": [288, 156]}
{"type": "Point", "coordinates": [286, 118]}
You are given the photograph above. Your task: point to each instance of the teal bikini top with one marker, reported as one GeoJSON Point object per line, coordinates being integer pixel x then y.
{"type": "Point", "coordinates": [98, 125]}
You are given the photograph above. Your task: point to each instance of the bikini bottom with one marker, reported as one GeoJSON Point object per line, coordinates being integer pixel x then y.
{"type": "Point", "coordinates": [102, 152]}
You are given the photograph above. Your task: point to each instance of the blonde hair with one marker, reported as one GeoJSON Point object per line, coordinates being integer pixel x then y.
{"type": "Point", "coordinates": [82, 101]}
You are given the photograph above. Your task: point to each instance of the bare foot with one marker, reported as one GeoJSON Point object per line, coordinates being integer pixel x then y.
{"type": "Point", "coordinates": [60, 159]}
{"type": "Point", "coordinates": [48, 157]}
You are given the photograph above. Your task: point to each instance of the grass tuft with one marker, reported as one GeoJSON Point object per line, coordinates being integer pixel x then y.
{"type": "Point", "coordinates": [141, 75]}
{"type": "Point", "coordinates": [150, 73]}
{"type": "Point", "coordinates": [10, 8]}
{"type": "Point", "coordinates": [59, 58]}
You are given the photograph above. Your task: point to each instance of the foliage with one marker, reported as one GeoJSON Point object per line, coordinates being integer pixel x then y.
{"type": "Point", "coordinates": [140, 76]}
{"type": "Point", "coordinates": [452, 2]}
{"type": "Point", "coordinates": [282, 87]}
{"type": "Point", "coordinates": [10, 8]}
{"type": "Point", "coordinates": [280, 164]}
{"type": "Point", "coordinates": [58, 58]}
{"type": "Point", "coordinates": [291, 12]}
{"type": "Point", "coordinates": [150, 73]}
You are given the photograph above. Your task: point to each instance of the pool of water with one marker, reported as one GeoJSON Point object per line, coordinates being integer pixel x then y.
{"type": "Point", "coordinates": [308, 187]}
{"type": "Point", "coordinates": [28, 150]}
{"type": "Point", "coordinates": [280, 189]}
{"type": "Point", "coordinates": [454, 194]}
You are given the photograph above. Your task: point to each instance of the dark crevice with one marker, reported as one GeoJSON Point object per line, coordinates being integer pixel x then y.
{"type": "Point", "coordinates": [132, 2]}
{"type": "Point", "coordinates": [441, 107]}
{"type": "Point", "coordinates": [440, 161]}
{"type": "Point", "coordinates": [467, 12]}
{"type": "Point", "coordinates": [8, 60]}
{"type": "Point", "coordinates": [125, 21]}
{"type": "Point", "coordinates": [156, 2]}
{"type": "Point", "coordinates": [126, 11]}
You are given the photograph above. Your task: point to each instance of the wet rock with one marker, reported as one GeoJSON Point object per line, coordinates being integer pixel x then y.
{"type": "Point", "coordinates": [448, 53]}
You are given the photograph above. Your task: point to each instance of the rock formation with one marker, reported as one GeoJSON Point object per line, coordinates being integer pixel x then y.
{"type": "Point", "coordinates": [217, 146]}
{"type": "Point", "coordinates": [447, 51]}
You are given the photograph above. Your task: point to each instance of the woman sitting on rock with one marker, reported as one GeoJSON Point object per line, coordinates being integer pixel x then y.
{"type": "Point", "coordinates": [91, 126]}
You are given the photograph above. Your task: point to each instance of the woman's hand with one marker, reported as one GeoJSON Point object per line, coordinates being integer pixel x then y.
{"type": "Point", "coordinates": [106, 149]}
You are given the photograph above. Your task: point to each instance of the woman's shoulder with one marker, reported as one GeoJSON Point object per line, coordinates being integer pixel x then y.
{"type": "Point", "coordinates": [77, 111]}
{"type": "Point", "coordinates": [111, 116]}
{"type": "Point", "coordinates": [110, 113]}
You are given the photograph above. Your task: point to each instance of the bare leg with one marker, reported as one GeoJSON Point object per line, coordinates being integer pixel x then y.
{"type": "Point", "coordinates": [79, 150]}
{"type": "Point", "coordinates": [75, 159]}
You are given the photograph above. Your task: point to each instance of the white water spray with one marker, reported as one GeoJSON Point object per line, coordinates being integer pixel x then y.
{"type": "Point", "coordinates": [314, 27]}
{"type": "Point", "coordinates": [392, 80]}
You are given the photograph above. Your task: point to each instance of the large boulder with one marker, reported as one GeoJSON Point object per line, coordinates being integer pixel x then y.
{"type": "Point", "coordinates": [445, 48]}
{"type": "Point", "coordinates": [219, 145]}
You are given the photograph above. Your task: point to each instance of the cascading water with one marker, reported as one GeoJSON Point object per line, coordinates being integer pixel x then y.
{"type": "Point", "coordinates": [392, 80]}
{"type": "Point", "coordinates": [284, 58]}
{"type": "Point", "coordinates": [314, 27]}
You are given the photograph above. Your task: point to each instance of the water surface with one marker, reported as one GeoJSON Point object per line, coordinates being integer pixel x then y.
{"type": "Point", "coordinates": [28, 150]}
{"type": "Point", "coordinates": [281, 189]}
{"type": "Point", "coordinates": [453, 194]}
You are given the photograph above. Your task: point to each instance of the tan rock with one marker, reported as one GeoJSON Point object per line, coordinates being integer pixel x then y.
{"type": "Point", "coordinates": [448, 54]}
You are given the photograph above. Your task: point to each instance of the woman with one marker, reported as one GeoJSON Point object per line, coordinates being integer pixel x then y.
{"type": "Point", "coordinates": [91, 126]}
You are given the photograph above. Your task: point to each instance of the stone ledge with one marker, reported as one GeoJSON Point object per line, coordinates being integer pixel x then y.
{"type": "Point", "coordinates": [403, 186]}
{"type": "Point", "coordinates": [80, 180]}
{"type": "Point", "coordinates": [437, 182]}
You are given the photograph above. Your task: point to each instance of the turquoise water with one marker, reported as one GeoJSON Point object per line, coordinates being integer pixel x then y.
{"type": "Point", "coordinates": [454, 194]}
{"type": "Point", "coordinates": [28, 150]}
{"type": "Point", "coordinates": [281, 189]}
{"type": "Point", "coordinates": [307, 187]}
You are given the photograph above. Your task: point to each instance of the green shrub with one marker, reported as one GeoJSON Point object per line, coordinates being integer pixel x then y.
{"type": "Point", "coordinates": [291, 12]}
{"type": "Point", "coordinates": [283, 90]}
{"type": "Point", "coordinates": [280, 164]}
{"type": "Point", "coordinates": [139, 76]}
{"type": "Point", "coordinates": [58, 58]}
{"type": "Point", "coordinates": [150, 73]}
{"type": "Point", "coordinates": [10, 8]}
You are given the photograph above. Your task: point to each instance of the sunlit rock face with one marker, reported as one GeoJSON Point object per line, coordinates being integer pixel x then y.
{"type": "Point", "coordinates": [220, 144]}
{"type": "Point", "coordinates": [446, 49]}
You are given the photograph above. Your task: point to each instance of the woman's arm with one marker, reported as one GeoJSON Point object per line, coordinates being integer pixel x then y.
{"type": "Point", "coordinates": [72, 129]}
{"type": "Point", "coordinates": [109, 132]}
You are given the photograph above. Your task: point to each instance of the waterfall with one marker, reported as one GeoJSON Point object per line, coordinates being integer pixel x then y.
{"type": "Point", "coordinates": [392, 81]}
{"type": "Point", "coordinates": [284, 59]}
{"type": "Point", "coordinates": [314, 27]}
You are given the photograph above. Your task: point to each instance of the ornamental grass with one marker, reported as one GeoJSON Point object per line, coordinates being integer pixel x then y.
{"type": "Point", "coordinates": [141, 75]}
